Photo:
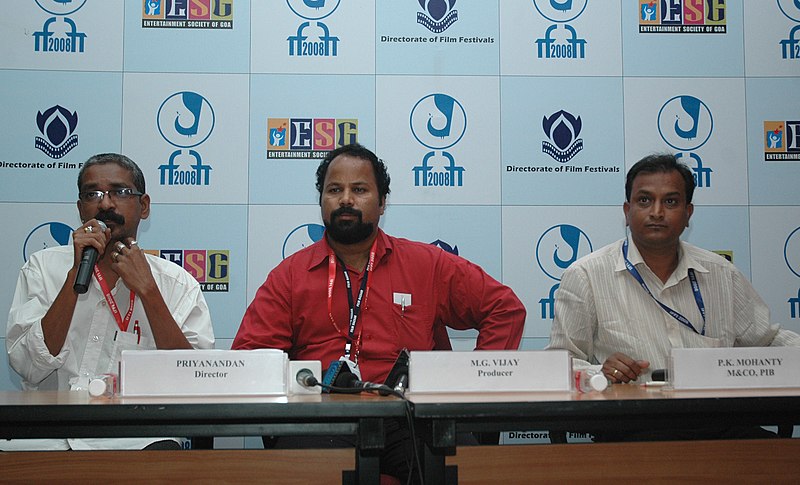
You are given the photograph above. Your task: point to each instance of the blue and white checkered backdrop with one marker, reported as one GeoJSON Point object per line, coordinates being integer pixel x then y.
{"type": "Point", "coordinates": [505, 124]}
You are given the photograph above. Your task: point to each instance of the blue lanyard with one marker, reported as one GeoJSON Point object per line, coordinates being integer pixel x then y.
{"type": "Point", "coordinates": [698, 298]}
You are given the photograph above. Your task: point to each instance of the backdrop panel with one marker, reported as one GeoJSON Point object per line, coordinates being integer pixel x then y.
{"type": "Point", "coordinates": [228, 106]}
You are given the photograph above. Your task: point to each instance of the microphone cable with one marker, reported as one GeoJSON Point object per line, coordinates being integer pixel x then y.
{"type": "Point", "coordinates": [415, 463]}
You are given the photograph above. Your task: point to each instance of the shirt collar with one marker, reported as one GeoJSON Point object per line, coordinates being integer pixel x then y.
{"type": "Point", "coordinates": [685, 259]}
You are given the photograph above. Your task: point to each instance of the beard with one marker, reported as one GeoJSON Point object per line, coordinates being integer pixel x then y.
{"type": "Point", "coordinates": [348, 231]}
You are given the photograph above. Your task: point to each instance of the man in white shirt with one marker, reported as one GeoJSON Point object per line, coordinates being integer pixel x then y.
{"type": "Point", "coordinates": [626, 305]}
{"type": "Point", "coordinates": [58, 338]}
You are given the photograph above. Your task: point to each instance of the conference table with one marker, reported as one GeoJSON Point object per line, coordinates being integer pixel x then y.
{"type": "Point", "coordinates": [65, 414]}
{"type": "Point", "coordinates": [438, 417]}
{"type": "Point", "coordinates": [441, 417]}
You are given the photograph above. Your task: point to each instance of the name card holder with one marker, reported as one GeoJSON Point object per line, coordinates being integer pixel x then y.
{"type": "Point", "coordinates": [489, 371]}
{"type": "Point", "coordinates": [735, 368]}
{"type": "Point", "coordinates": [203, 372]}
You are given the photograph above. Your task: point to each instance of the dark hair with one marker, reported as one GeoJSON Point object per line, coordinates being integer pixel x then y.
{"type": "Point", "coordinates": [121, 160]}
{"type": "Point", "coordinates": [356, 150]}
{"type": "Point", "coordinates": [663, 162]}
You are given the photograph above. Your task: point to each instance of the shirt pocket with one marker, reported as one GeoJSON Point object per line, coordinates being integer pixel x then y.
{"type": "Point", "coordinates": [413, 326]}
{"type": "Point", "coordinates": [127, 341]}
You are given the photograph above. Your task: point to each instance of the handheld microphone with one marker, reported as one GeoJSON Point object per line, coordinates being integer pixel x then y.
{"type": "Point", "coordinates": [88, 260]}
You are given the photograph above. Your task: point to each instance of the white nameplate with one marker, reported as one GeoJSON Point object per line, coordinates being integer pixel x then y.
{"type": "Point", "coordinates": [489, 371]}
{"type": "Point", "coordinates": [735, 368]}
{"type": "Point", "coordinates": [203, 372]}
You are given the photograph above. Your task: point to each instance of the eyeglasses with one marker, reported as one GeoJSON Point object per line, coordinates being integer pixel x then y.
{"type": "Point", "coordinates": [120, 194]}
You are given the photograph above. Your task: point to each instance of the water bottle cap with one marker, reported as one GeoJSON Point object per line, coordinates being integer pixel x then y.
{"type": "Point", "coordinates": [97, 387]}
{"type": "Point", "coordinates": [598, 382]}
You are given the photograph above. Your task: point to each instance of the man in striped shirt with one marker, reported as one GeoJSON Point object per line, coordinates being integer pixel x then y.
{"type": "Point", "coordinates": [626, 305]}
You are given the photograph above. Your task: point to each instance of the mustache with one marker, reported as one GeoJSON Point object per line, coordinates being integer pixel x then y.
{"type": "Point", "coordinates": [346, 210]}
{"type": "Point", "coordinates": [110, 216]}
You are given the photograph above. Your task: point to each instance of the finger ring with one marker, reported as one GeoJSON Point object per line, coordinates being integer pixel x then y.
{"type": "Point", "coordinates": [88, 229]}
{"type": "Point", "coordinates": [120, 247]}
{"type": "Point", "coordinates": [616, 371]}
{"type": "Point", "coordinates": [114, 256]}
{"type": "Point", "coordinates": [134, 243]}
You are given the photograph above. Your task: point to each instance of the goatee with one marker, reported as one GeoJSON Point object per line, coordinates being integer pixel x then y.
{"type": "Point", "coordinates": [348, 231]}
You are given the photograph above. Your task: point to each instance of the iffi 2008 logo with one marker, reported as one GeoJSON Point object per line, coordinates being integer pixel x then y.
{"type": "Point", "coordinates": [437, 15]}
{"type": "Point", "coordinates": [59, 38]}
{"type": "Point", "coordinates": [313, 40]}
{"type": "Point", "coordinates": [557, 248]}
{"type": "Point", "coordinates": [685, 123]}
{"type": "Point", "coordinates": [57, 129]}
{"type": "Point", "coordinates": [185, 120]}
{"type": "Point", "coordinates": [790, 46]}
{"type": "Point", "coordinates": [560, 43]}
{"type": "Point", "coordinates": [563, 132]}
{"type": "Point", "coordinates": [438, 121]}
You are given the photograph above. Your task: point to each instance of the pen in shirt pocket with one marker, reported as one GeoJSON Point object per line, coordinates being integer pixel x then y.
{"type": "Point", "coordinates": [138, 331]}
{"type": "Point", "coordinates": [404, 300]}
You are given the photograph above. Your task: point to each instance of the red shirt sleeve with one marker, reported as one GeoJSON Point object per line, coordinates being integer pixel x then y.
{"type": "Point", "coordinates": [267, 321]}
{"type": "Point", "coordinates": [473, 299]}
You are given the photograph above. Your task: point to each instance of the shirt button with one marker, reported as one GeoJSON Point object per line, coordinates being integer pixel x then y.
{"type": "Point", "coordinates": [95, 339]}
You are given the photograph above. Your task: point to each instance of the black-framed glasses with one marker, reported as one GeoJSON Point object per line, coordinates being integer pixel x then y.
{"type": "Point", "coordinates": [122, 193]}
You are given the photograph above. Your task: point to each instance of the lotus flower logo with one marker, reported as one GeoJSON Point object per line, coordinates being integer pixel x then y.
{"type": "Point", "coordinates": [438, 15]}
{"type": "Point", "coordinates": [562, 130]}
{"type": "Point", "coordinates": [57, 127]}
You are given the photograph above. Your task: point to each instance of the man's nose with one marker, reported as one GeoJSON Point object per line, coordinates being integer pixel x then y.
{"type": "Point", "coordinates": [106, 202]}
{"type": "Point", "coordinates": [346, 199]}
{"type": "Point", "coordinates": [657, 210]}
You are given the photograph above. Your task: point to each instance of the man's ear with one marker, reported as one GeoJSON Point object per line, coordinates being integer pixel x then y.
{"type": "Point", "coordinates": [625, 208]}
{"type": "Point", "coordinates": [689, 212]}
{"type": "Point", "coordinates": [144, 200]}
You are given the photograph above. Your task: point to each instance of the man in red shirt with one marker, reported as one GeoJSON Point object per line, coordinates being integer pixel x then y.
{"type": "Point", "coordinates": [363, 295]}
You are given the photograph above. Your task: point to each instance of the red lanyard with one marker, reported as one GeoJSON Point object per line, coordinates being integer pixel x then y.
{"type": "Point", "coordinates": [112, 304]}
{"type": "Point", "coordinates": [355, 308]}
